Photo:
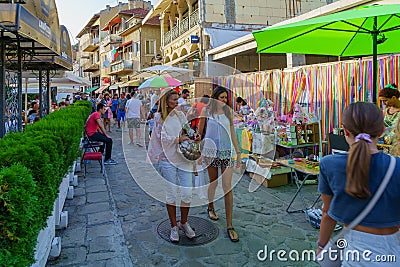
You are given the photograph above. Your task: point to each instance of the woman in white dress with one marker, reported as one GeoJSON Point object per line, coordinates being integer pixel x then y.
{"type": "Point", "coordinates": [220, 144]}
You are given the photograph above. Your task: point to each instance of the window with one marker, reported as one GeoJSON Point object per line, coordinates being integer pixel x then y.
{"type": "Point", "coordinates": [135, 47]}
{"type": "Point", "coordinates": [150, 47]}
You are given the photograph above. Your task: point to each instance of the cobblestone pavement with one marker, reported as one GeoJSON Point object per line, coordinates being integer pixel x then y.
{"type": "Point", "coordinates": [113, 222]}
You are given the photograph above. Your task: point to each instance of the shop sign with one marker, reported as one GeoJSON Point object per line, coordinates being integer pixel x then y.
{"type": "Point", "coordinates": [194, 39]}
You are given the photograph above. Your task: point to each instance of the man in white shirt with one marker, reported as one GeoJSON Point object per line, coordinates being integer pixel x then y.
{"type": "Point", "coordinates": [154, 98]}
{"type": "Point", "coordinates": [133, 108]}
{"type": "Point", "coordinates": [184, 106]}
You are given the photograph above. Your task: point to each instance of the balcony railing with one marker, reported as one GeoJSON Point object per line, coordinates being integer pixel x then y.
{"type": "Point", "coordinates": [89, 45]}
{"type": "Point", "coordinates": [121, 66]}
{"type": "Point", "coordinates": [183, 26]}
{"type": "Point", "coordinates": [194, 18]}
{"type": "Point", "coordinates": [91, 67]}
{"type": "Point", "coordinates": [167, 38]}
{"type": "Point", "coordinates": [111, 38]}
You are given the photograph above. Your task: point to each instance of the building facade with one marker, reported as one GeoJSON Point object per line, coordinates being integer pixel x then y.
{"type": "Point", "coordinates": [189, 28]}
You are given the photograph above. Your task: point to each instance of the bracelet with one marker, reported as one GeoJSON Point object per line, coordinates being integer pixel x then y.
{"type": "Point", "coordinates": [320, 246]}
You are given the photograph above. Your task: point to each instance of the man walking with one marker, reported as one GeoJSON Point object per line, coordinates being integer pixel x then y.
{"type": "Point", "coordinates": [133, 108]}
{"type": "Point", "coordinates": [96, 132]}
{"type": "Point", "coordinates": [121, 110]}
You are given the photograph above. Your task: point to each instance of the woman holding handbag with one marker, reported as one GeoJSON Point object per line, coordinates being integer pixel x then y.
{"type": "Point", "coordinates": [174, 168]}
{"type": "Point", "coordinates": [350, 186]}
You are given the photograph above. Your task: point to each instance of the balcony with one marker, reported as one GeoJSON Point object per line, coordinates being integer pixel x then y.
{"type": "Point", "coordinates": [183, 26]}
{"type": "Point", "coordinates": [121, 67]}
{"type": "Point", "coordinates": [90, 44]}
{"type": "Point", "coordinates": [91, 67]}
{"type": "Point", "coordinates": [111, 39]}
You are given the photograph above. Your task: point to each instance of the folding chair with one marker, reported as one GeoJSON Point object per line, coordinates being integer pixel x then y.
{"type": "Point", "coordinates": [91, 151]}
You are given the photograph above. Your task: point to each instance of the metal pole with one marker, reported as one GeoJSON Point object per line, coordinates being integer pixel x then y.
{"type": "Point", "coordinates": [48, 95]}
{"type": "Point", "coordinates": [41, 94]}
{"type": "Point", "coordinates": [2, 88]}
{"type": "Point", "coordinates": [19, 118]}
{"type": "Point", "coordinates": [374, 60]}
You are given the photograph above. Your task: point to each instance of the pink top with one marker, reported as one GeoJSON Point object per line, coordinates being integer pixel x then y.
{"type": "Point", "coordinates": [163, 145]}
{"type": "Point", "coordinates": [91, 125]}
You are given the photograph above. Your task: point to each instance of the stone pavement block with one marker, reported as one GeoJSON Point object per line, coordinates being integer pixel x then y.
{"type": "Point", "coordinates": [70, 257]}
{"type": "Point", "coordinates": [146, 236]}
{"type": "Point", "coordinates": [94, 208]}
{"type": "Point", "coordinates": [100, 230]}
{"type": "Point", "coordinates": [100, 244]}
{"type": "Point", "coordinates": [106, 255]}
{"type": "Point", "coordinates": [97, 197]}
{"type": "Point", "coordinates": [191, 263]}
{"type": "Point", "coordinates": [100, 217]}
{"type": "Point", "coordinates": [171, 250]}
{"type": "Point", "coordinates": [76, 201]}
{"type": "Point", "coordinates": [226, 247]}
{"type": "Point", "coordinates": [78, 192]}
{"type": "Point", "coordinates": [74, 236]}
{"type": "Point", "coordinates": [74, 219]}
{"type": "Point", "coordinates": [197, 252]}
{"type": "Point", "coordinates": [96, 188]}
{"type": "Point", "coordinates": [119, 262]}
{"type": "Point", "coordinates": [93, 181]}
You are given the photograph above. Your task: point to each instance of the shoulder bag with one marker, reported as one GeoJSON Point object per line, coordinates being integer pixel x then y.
{"type": "Point", "coordinates": [324, 258]}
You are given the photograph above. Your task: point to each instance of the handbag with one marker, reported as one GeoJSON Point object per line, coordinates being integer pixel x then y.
{"type": "Point", "coordinates": [337, 243]}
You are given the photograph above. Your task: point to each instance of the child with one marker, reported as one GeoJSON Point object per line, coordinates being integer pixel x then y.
{"type": "Point", "coordinates": [149, 128]}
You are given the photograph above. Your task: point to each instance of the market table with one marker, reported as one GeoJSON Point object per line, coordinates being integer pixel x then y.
{"type": "Point", "coordinates": [293, 147]}
{"type": "Point", "coordinates": [302, 168]}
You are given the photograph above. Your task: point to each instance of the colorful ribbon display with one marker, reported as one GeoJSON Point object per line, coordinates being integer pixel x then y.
{"type": "Point", "coordinates": [323, 89]}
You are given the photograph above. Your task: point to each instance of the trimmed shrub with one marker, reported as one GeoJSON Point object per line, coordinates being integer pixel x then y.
{"type": "Point", "coordinates": [18, 225]}
{"type": "Point", "coordinates": [32, 167]}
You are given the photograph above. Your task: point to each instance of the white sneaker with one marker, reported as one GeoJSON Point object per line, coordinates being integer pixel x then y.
{"type": "Point", "coordinates": [187, 229]}
{"type": "Point", "coordinates": [174, 236]}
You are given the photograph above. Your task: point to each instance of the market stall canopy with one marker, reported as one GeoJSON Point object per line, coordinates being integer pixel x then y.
{"type": "Point", "coordinates": [131, 83]}
{"type": "Point", "coordinates": [91, 90]}
{"type": "Point", "coordinates": [366, 30]}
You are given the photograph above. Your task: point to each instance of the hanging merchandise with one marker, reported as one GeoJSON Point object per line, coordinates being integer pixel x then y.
{"type": "Point", "coordinates": [323, 89]}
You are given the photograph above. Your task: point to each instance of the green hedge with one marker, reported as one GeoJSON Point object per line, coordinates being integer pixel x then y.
{"type": "Point", "coordinates": [31, 170]}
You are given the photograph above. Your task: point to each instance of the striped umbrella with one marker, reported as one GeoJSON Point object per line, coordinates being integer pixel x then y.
{"type": "Point", "coordinates": [160, 82]}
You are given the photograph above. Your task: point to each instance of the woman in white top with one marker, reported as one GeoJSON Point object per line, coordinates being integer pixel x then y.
{"type": "Point", "coordinates": [172, 165]}
{"type": "Point", "coordinates": [216, 125]}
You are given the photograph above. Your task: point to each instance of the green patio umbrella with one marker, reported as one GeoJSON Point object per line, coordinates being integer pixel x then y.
{"type": "Point", "coordinates": [366, 30]}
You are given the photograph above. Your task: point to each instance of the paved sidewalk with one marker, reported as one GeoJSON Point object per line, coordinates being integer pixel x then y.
{"type": "Point", "coordinates": [112, 221]}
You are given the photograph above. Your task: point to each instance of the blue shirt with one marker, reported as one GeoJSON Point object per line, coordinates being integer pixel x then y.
{"type": "Point", "coordinates": [344, 208]}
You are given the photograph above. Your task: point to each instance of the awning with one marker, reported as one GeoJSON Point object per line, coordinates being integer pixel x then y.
{"type": "Point", "coordinates": [125, 44]}
{"type": "Point", "coordinates": [101, 89]}
{"type": "Point", "coordinates": [91, 90]}
{"type": "Point", "coordinates": [114, 21]}
{"type": "Point", "coordinates": [131, 83]}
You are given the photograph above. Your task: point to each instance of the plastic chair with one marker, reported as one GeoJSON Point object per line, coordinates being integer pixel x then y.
{"type": "Point", "coordinates": [91, 151]}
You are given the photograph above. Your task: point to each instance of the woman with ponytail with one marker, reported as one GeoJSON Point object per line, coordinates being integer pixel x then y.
{"type": "Point", "coordinates": [349, 180]}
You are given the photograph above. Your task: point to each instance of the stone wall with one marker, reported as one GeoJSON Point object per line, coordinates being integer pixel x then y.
{"type": "Point", "coordinates": [257, 12]}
